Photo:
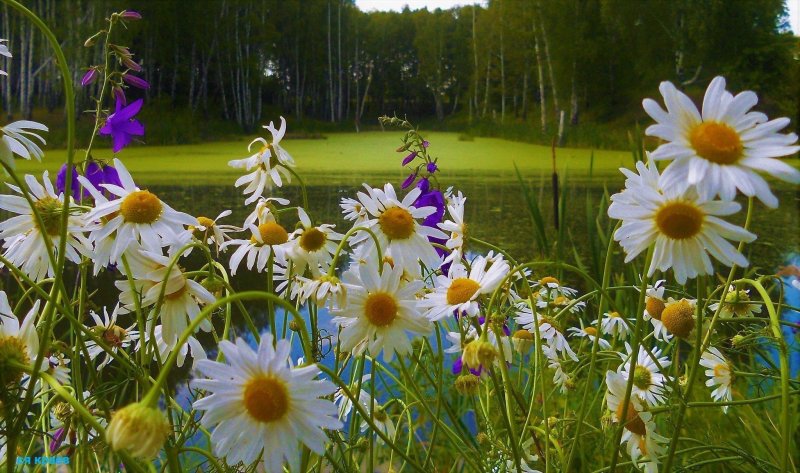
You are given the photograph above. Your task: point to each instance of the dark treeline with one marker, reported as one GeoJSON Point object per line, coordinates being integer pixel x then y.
{"type": "Point", "coordinates": [508, 61]}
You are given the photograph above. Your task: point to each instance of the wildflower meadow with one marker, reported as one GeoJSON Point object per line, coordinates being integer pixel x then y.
{"type": "Point", "coordinates": [269, 337]}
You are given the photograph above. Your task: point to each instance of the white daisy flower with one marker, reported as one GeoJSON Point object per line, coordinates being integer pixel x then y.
{"type": "Point", "coordinates": [456, 227]}
{"type": "Point", "coordinates": [649, 384]}
{"type": "Point", "coordinates": [560, 303]}
{"type": "Point", "coordinates": [398, 230]}
{"type": "Point", "coordinates": [560, 377]}
{"type": "Point", "coordinates": [116, 337]}
{"type": "Point", "coordinates": [4, 52]}
{"type": "Point", "coordinates": [655, 303]}
{"type": "Point", "coordinates": [642, 442]}
{"type": "Point", "coordinates": [354, 211]}
{"type": "Point", "coordinates": [720, 375]}
{"type": "Point", "coordinates": [550, 288]}
{"type": "Point", "coordinates": [191, 348]}
{"type": "Point", "coordinates": [324, 290]}
{"type": "Point", "coordinates": [590, 333]}
{"type": "Point", "coordinates": [684, 227]}
{"type": "Point", "coordinates": [268, 164]}
{"type": "Point", "coordinates": [548, 330]}
{"type": "Point", "coordinates": [737, 303]}
{"type": "Point", "coordinates": [269, 238]}
{"type": "Point", "coordinates": [212, 232]}
{"type": "Point", "coordinates": [722, 149]}
{"type": "Point", "coordinates": [525, 460]}
{"type": "Point", "coordinates": [312, 246]}
{"type": "Point", "coordinates": [24, 240]}
{"type": "Point", "coordinates": [182, 297]}
{"type": "Point", "coordinates": [261, 407]}
{"type": "Point", "coordinates": [382, 421]}
{"type": "Point", "coordinates": [380, 310]}
{"type": "Point", "coordinates": [134, 218]}
{"type": "Point", "coordinates": [614, 325]}
{"type": "Point", "coordinates": [19, 339]}
{"type": "Point", "coordinates": [263, 210]}
{"type": "Point", "coordinates": [14, 141]}
{"type": "Point", "coordinates": [345, 404]}
{"type": "Point", "coordinates": [457, 293]}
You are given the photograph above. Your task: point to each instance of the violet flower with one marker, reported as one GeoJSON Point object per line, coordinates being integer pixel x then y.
{"type": "Point", "coordinates": [58, 438]}
{"type": "Point", "coordinates": [137, 82]}
{"type": "Point", "coordinates": [409, 180]}
{"type": "Point", "coordinates": [425, 143]}
{"type": "Point", "coordinates": [95, 173]}
{"type": "Point", "coordinates": [122, 126]}
{"type": "Point", "coordinates": [89, 77]}
{"type": "Point", "coordinates": [119, 95]}
{"type": "Point", "coordinates": [131, 64]}
{"type": "Point", "coordinates": [409, 158]}
{"type": "Point", "coordinates": [432, 168]}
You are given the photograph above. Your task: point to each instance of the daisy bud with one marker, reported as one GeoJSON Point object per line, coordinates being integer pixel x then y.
{"type": "Point", "coordinates": [654, 307]}
{"type": "Point", "coordinates": [140, 429]}
{"type": "Point", "coordinates": [294, 326]}
{"type": "Point", "coordinates": [478, 353]}
{"type": "Point", "coordinates": [213, 285]}
{"type": "Point", "coordinates": [678, 318]}
{"type": "Point", "coordinates": [137, 82]}
{"type": "Point", "coordinates": [522, 341]}
{"type": "Point", "coordinates": [738, 340]}
{"type": "Point", "coordinates": [468, 384]}
{"type": "Point", "coordinates": [481, 438]}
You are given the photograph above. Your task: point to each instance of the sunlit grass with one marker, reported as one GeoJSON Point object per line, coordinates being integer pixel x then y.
{"type": "Point", "coordinates": [346, 157]}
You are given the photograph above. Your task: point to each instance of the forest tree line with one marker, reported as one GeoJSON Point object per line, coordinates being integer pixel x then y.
{"type": "Point", "coordinates": [505, 60]}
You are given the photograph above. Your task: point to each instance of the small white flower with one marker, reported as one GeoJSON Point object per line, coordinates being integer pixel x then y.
{"type": "Point", "coordinates": [548, 331]}
{"type": "Point", "coordinates": [116, 337]}
{"type": "Point", "coordinates": [24, 240]}
{"type": "Point", "coordinates": [613, 324]}
{"type": "Point", "coordinates": [455, 227]}
{"type": "Point", "coordinates": [269, 239]}
{"type": "Point", "coordinates": [354, 211]}
{"type": "Point", "coordinates": [720, 375]}
{"type": "Point", "coordinates": [457, 293]}
{"type": "Point", "coordinates": [649, 384]}
{"type": "Point", "coordinates": [212, 232]}
{"type": "Point", "coordinates": [590, 333]}
{"type": "Point", "coordinates": [737, 303]}
{"type": "Point", "coordinates": [655, 303]}
{"type": "Point", "coordinates": [14, 141]}
{"type": "Point", "coordinates": [266, 166]}
{"type": "Point", "coordinates": [312, 246]}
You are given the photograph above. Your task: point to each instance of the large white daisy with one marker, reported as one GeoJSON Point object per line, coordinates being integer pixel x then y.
{"type": "Point", "coordinates": [24, 240]}
{"type": "Point", "coordinates": [135, 217]}
{"type": "Point", "coordinates": [457, 293]}
{"type": "Point", "coordinates": [684, 227]}
{"type": "Point", "coordinates": [259, 406]}
{"type": "Point", "coordinates": [721, 149]}
{"type": "Point", "coordinates": [312, 246]}
{"type": "Point", "coordinates": [400, 234]}
{"type": "Point", "coordinates": [380, 310]}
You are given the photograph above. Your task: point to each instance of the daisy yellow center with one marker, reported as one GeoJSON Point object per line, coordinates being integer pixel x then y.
{"type": "Point", "coordinates": [115, 335]}
{"type": "Point", "coordinates": [461, 290]}
{"type": "Point", "coordinates": [633, 422]}
{"type": "Point", "coordinates": [721, 370]}
{"type": "Point", "coordinates": [13, 352]}
{"type": "Point", "coordinates": [716, 142]}
{"type": "Point", "coordinates": [380, 309]}
{"type": "Point", "coordinates": [266, 398]}
{"type": "Point", "coordinates": [523, 335]}
{"type": "Point", "coordinates": [654, 307]}
{"type": "Point", "coordinates": [312, 239]}
{"type": "Point", "coordinates": [177, 294]}
{"type": "Point", "coordinates": [590, 331]}
{"type": "Point", "coordinates": [561, 300]}
{"type": "Point", "coordinates": [205, 222]}
{"type": "Point", "coordinates": [614, 314]}
{"type": "Point", "coordinates": [679, 220]}
{"type": "Point", "coordinates": [141, 207]}
{"type": "Point", "coordinates": [49, 210]}
{"type": "Point", "coordinates": [678, 318]}
{"type": "Point", "coordinates": [642, 378]}
{"type": "Point", "coordinates": [273, 160]}
{"type": "Point", "coordinates": [271, 234]}
{"type": "Point", "coordinates": [397, 223]}
{"type": "Point", "coordinates": [548, 280]}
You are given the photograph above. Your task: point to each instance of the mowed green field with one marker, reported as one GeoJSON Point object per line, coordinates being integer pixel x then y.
{"type": "Point", "coordinates": [347, 157]}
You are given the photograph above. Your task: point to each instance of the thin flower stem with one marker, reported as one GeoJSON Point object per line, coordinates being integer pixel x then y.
{"type": "Point", "coordinates": [345, 238]}
{"type": "Point", "coordinates": [637, 339]}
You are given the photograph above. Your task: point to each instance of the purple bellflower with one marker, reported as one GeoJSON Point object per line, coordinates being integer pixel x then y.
{"type": "Point", "coordinates": [95, 173]}
{"type": "Point", "coordinates": [137, 82]}
{"type": "Point", "coordinates": [122, 126]}
{"type": "Point", "coordinates": [89, 77]}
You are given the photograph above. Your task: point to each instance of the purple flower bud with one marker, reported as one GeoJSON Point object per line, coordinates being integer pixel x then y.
{"type": "Point", "coordinates": [409, 158]}
{"type": "Point", "coordinates": [409, 180]}
{"type": "Point", "coordinates": [58, 439]}
{"type": "Point", "coordinates": [130, 15]}
{"type": "Point", "coordinates": [432, 167]}
{"type": "Point", "coordinates": [131, 64]}
{"type": "Point", "coordinates": [89, 77]}
{"type": "Point", "coordinates": [137, 82]}
{"type": "Point", "coordinates": [119, 95]}
{"type": "Point", "coordinates": [61, 182]}
{"type": "Point", "coordinates": [425, 143]}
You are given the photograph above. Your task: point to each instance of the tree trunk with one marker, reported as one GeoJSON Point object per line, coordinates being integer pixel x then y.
{"type": "Point", "coordinates": [549, 67]}
{"type": "Point", "coordinates": [540, 70]}
{"type": "Point", "coordinates": [475, 70]}
{"type": "Point", "coordinates": [330, 67]}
